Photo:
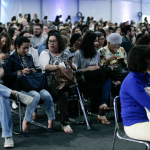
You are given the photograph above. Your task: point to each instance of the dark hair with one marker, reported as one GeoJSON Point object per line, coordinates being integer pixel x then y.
{"type": "Point", "coordinates": [29, 18]}
{"type": "Point", "coordinates": [22, 33]}
{"type": "Point", "coordinates": [144, 40]}
{"type": "Point", "coordinates": [110, 28]}
{"type": "Point", "coordinates": [45, 17]}
{"type": "Point", "coordinates": [20, 40]}
{"type": "Point", "coordinates": [139, 58]}
{"type": "Point", "coordinates": [38, 24]}
{"type": "Point", "coordinates": [13, 18]}
{"type": "Point", "coordinates": [138, 36]}
{"type": "Point", "coordinates": [21, 26]}
{"type": "Point", "coordinates": [85, 29]}
{"type": "Point", "coordinates": [11, 32]}
{"type": "Point", "coordinates": [68, 18]}
{"type": "Point", "coordinates": [6, 48]}
{"type": "Point", "coordinates": [96, 25]}
{"type": "Point", "coordinates": [115, 29]}
{"type": "Point", "coordinates": [53, 31]}
{"type": "Point", "coordinates": [87, 45]}
{"type": "Point", "coordinates": [76, 22]}
{"type": "Point", "coordinates": [1, 29]}
{"type": "Point", "coordinates": [143, 31]}
{"type": "Point", "coordinates": [73, 30]}
{"type": "Point", "coordinates": [99, 34]}
{"type": "Point", "coordinates": [126, 28]}
{"type": "Point", "coordinates": [103, 31]}
{"type": "Point", "coordinates": [20, 15]}
{"type": "Point", "coordinates": [61, 45]}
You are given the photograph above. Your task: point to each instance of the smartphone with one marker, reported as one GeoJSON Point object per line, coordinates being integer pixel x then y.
{"type": "Point", "coordinates": [31, 69]}
{"type": "Point", "coordinates": [121, 59]}
{"type": "Point", "coordinates": [70, 56]}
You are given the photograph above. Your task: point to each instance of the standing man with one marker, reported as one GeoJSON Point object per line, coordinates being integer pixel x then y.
{"type": "Point", "coordinates": [129, 33]}
{"type": "Point", "coordinates": [38, 38]}
{"type": "Point", "coordinates": [20, 18]}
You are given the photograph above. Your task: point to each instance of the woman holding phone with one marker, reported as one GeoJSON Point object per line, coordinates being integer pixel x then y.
{"type": "Point", "coordinates": [113, 55]}
{"type": "Point", "coordinates": [51, 59]}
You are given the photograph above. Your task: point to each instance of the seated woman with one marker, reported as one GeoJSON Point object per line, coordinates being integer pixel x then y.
{"type": "Point", "coordinates": [134, 99]}
{"type": "Point", "coordinates": [20, 62]}
{"type": "Point", "coordinates": [75, 42]}
{"type": "Point", "coordinates": [101, 39]}
{"type": "Point", "coordinates": [112, 54]}
{"type": "Point", "coordinates": [52, 58]}
{"type": "Point", "coordinates": [88, 59]}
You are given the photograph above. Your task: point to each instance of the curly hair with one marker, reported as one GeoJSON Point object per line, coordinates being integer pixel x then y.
{"type": "Point", "coordinates": [61, 45]}
{"type": "Point", "coordinates": [6, 47]}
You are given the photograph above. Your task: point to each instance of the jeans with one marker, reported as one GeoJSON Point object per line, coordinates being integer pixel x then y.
{"type": "Point", "coordinates": [48, 104]}
{"type": "Point", "coordinates": [5, 111]}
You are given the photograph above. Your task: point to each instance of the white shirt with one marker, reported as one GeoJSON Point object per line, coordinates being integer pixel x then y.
{"type": "Point", "coordinates": [35, 56]}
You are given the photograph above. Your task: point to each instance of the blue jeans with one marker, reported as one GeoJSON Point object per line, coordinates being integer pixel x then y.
{"type": "Point", "coordinates": [5, 111]}
{"type": "Point", "coordinates": [48, 104]}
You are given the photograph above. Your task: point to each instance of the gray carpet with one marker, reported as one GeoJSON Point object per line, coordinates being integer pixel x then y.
{"type": "Point", "coordinates": [100, 137]}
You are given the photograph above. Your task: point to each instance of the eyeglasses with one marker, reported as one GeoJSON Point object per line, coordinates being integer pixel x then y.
{"type": "Point", "coordinates": [50, 42]}
{"type": "Point", "coordinates": [102, 39]}
{"type": "Point", "coordinates": [37, 28]}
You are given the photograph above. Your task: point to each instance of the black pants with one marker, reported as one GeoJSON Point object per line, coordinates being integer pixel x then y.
{"type": "Point", "coordinates": [62, 97]}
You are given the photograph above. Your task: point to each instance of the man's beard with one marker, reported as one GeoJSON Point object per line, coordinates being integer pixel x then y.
{"type": "Point", "coordinates": [38, 35]}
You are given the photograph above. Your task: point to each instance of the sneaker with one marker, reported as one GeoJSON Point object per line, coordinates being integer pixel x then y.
{"type": "Point", "coordinates": [9, 142]}
{"type": "Point", "coordinates": [25, 99]}
{"type": "Point", "coordinates": [14, 105]}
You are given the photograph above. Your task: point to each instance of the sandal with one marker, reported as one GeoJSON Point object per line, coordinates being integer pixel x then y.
{"type": "Point", "coordinates": [67, 129]}
{"type": "Point", "coordinates": [117, 83]}
{"type": "Point", "coordinates": [50, 130]}
{"type": "Point", "coordinates": [103, 120]}
{"type": "Point", "coordinates": [34, 115]}
{"type": "Point", "coordinates": [104, 109]}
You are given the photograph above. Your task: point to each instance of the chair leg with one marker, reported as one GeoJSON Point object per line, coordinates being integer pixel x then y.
{"type": "Point", "coordinates": [114, 139]}
{"type": "Point", "coordinates": [82, 107]}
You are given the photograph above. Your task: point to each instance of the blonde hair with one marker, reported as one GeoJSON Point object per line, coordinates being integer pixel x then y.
{"type": "Point", "coordinates": [65, 39]}
{"type": "Point", "coordinates": [35, 15]}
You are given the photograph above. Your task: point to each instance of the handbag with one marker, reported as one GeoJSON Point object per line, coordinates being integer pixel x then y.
{"type": "Point", "coordinates": [119, 73]}
{"type": "Point", "coordinates": [32, 81]}
{"type": "Point", "coordinates": [98, 76]}
{"type": "Point", "coordinates": [65, 75]}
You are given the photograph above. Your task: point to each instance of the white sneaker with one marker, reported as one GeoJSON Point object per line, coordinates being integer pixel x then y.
{"type": "Point", "coordinates": [9, 142]}
{"type": "Point", "coordinates": [25, 99]}
{"type": "Point", "coordinates": [14, 105]}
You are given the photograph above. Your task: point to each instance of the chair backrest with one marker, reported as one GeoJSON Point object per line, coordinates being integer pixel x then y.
{"type": "Point", "coordinates": [116, 109]}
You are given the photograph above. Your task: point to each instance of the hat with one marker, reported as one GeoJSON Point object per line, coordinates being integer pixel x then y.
{"type": "Point", "coordinates": [74, 37]}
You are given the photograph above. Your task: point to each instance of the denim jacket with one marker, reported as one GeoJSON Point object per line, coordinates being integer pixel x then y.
{"type": "Point", "coordinates": [11, 66]}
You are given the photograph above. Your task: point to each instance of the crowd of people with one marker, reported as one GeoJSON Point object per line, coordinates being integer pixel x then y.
{"type": "Point", "coordinates": [85, 46]}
